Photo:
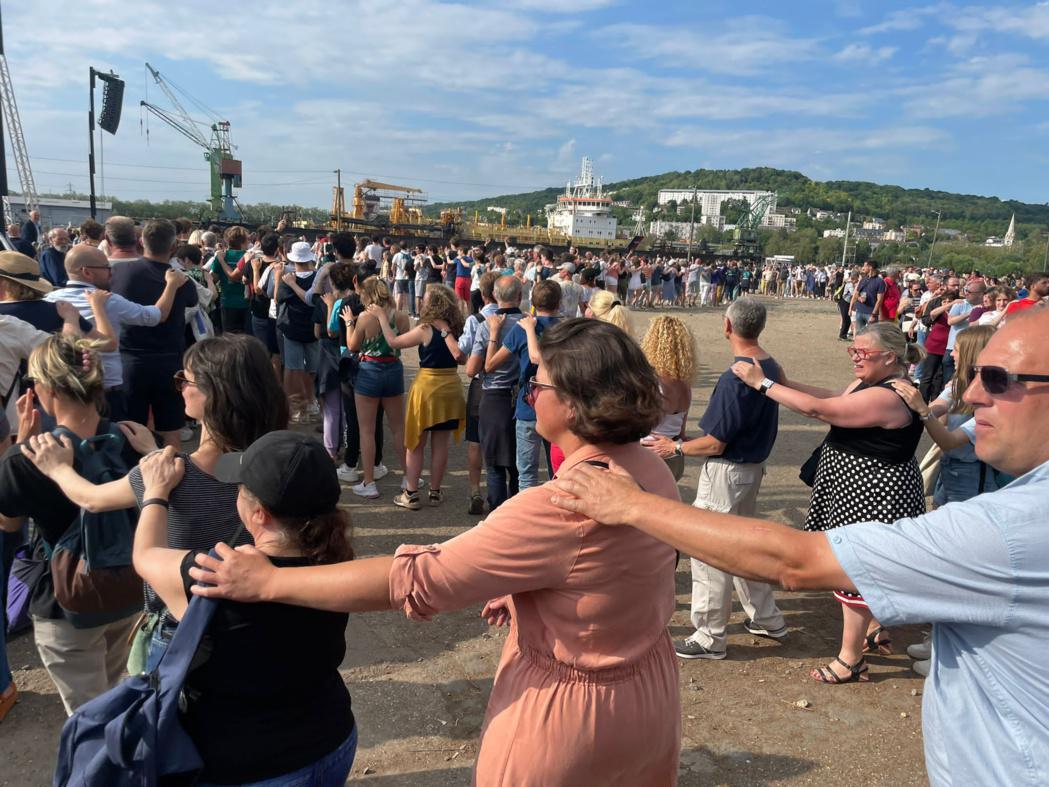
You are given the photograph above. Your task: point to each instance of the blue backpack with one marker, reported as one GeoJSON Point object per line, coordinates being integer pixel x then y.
{"type": "Point", "coordinates": [131, 736]}
{"type": "Point", "coordinates": [91, 569]}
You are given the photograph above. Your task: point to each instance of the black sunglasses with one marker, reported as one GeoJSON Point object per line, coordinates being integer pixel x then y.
{"type": "Point", "coordinates": [995, 379]}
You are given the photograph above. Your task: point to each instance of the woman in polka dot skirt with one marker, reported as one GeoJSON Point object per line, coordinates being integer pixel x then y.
{"type": "Point", "coordinates": [866, 471]}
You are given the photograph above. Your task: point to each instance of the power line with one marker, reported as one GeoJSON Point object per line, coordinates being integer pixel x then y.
{"type": "Point", "coordinates": [304, 172]}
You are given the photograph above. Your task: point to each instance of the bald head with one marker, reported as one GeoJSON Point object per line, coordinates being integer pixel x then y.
{"type": "Point", "coordinates": [83, 256]}
{"type": "Point", "coordinates": [1012, 425]}
{"type": "Point", "coordinates": [507, 291]}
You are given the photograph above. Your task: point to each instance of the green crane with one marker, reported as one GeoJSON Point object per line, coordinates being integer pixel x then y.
{"type": "Point", "coordinates": [745, 236]}
{"type": "Point", "coordinates": [218, 150]}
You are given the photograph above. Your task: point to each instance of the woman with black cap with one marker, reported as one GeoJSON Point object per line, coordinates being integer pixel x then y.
{"type": "Point", "coordinates": [266, 679]}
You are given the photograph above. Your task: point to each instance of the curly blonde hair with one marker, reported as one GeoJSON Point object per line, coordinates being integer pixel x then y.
{"type": "Point", "coordinates": [670, 347]}
{"type": "Point", "coordinates": [441, 303]}
{"type": "Point", "coordinates": [605, 306]}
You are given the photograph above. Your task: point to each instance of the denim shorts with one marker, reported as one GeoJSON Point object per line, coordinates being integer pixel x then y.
{"type": "Point", "coordinates": [379, 379]}
{"type": "Point", "coordinates": [301, 356]}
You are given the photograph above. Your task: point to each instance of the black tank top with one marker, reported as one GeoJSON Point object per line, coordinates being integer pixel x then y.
{"type": "Point", "coordinates": [435, 353]}
{"type": "Point", "coordinates": [894, 446]}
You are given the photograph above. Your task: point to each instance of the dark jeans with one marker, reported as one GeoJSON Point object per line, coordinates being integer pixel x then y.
{"type": "Point", "coordinates": [846, 320]}
{"type": "Point", "coordinates": [502, 485]}
{"type": "Point", "coordinates": [236, 320]}
{"type": "Point", "coordinates": [948, 368]}
{"type": "Point", "coordinates": [932, 379]}
{"type": "Point", "coordinates": [353, 432]}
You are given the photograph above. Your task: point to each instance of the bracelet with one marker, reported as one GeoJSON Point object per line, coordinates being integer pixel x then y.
{"type": "Point", "coordinates": [928, 416]}
{"type": "Point", "coordinates": [154, 501]}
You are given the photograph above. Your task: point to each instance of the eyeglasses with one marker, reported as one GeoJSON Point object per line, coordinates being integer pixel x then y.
{"type": "Point", "coordinates": [532, 389]}
{"type": "Point", "coordinates": [181, 381]}
{"type": "Point", "coordinates": [861, 354]}
{"type": "Point", "coordinates": [996, 380]}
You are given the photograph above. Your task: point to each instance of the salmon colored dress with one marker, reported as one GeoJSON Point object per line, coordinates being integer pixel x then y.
{"type": "Point", "coordinates": [587, 687]}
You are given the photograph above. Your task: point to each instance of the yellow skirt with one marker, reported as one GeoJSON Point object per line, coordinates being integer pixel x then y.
{"type": "Point", "coordinates": [436, 396]}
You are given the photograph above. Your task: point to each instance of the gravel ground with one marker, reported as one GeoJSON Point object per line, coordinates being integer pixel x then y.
{"type": "Point", "coordinates": [419, 690]}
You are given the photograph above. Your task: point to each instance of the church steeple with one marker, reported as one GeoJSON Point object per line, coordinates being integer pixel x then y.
{"type": "Point", "coordinates": [1010, 234]}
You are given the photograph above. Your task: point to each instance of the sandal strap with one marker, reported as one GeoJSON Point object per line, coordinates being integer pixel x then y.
{"type": "Point", "coordinates": [856, 669]}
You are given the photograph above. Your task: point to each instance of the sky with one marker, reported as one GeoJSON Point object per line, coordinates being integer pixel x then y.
{"type": "Point", "coordinates": [473, 99]}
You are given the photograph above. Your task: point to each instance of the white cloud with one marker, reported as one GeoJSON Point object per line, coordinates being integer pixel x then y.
{"type": "Point", "coordinates": [979, 87]}
{"type": "Point", "coordinates": [748, 45]}
{"type": "Point", "coordinates": [863, 53]}
{"type": "Point", "coordinates": [562, 6]}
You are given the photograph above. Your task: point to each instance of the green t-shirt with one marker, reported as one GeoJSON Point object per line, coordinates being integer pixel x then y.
{"type": "Point", "coordinates": [232, 294]}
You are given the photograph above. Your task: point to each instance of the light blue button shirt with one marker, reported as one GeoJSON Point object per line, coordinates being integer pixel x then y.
{"type": "Point", "coordinates": [979, 572]}
{"type": "Point", "coordinates": [957, 310]}
{"type": "Point", "coordinates": [120, 311]}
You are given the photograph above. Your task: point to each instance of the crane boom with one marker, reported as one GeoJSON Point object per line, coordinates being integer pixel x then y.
{"type": "Point", "coordinates": [218, 151]}
{"type": "Point", "coordinates": [174, 122]}
{"type": "Point", "coordinates": [18, 146]}
{"type": "Point", "coordinates": [189, 126]}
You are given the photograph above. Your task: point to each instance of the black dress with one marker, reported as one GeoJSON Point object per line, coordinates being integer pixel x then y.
{"type": "Point", "coordinates": [867, 474]}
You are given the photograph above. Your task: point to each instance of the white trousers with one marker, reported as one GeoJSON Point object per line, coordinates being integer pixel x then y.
{"type": "Point", "coordinates": [728, 488]}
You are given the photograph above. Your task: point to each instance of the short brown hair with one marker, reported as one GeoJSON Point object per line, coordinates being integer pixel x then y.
{"type": "Point", "coordinates": [602, 372]}
{"type": "Point", "coordinates": [92, 229]}
{"type": "Point", "coordinates": [235, 237]}
{"type": "Point", "coordinates": [488, 280]}
{"type": "Point", "coordinates": [546, 295]}
{"type": "Point", "coordinates": [158, 237]}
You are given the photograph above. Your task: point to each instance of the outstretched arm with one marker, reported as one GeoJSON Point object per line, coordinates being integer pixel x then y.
{"type": "Point", "coordinates": [742, 546]}
{"type": "Point", "coordinates": [871, 407]}
{"type": "Point", "coordinates": [54, 458]}
{"type": "Point", "coordinates": [246, 574]}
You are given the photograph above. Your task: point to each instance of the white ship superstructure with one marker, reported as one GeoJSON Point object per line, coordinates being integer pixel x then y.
{"type": "Point", "coordinates": [583, 211]}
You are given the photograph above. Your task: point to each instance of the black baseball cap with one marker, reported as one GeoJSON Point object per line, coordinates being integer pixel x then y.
{"type": "Point", "coordinates": [290, 474]}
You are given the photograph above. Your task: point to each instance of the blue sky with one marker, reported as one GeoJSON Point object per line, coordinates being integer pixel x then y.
{"type": "Point", "coordinates": [471, 99]}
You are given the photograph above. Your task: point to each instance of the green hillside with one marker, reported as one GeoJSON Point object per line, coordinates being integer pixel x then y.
{"type": "Point", "coordinates": [978, 216]}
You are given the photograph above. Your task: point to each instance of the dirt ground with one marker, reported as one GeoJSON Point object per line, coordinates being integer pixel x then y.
{"type": "Point", "coordinates": [419, 690]}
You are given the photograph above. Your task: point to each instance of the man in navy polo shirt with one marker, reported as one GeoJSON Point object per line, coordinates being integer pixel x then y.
{"type": "Point", "coordinates": [867, 297]}
{"type": "Point", "coordinates": [546, 300]}
{"type": "Point", "coordinates": [152, 355]}
{"type": "Point", "coordinates": [740, 426]}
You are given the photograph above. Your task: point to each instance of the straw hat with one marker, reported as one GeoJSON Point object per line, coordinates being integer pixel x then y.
{"type": "Point", "coordinates": [23, 270]}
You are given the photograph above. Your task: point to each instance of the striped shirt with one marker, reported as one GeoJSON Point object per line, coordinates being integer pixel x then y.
{"type": "Point", "coordinates": [202, 511]}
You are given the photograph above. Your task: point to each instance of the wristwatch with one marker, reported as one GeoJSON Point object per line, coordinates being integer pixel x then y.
{"type": "Point", "coordinates": [928, 416]}
{"type": "Point", "coordinates": [766, 384]}
{"type": "Point", "coordinates": [677, 448]}
{"type": "Point", "coordinates": [444, 334]}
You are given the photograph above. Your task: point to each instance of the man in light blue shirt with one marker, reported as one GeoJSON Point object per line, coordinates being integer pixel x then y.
{"type": "Point", "coordinates": [958, 319]}
{"type": "Point", "coordinates": [978, 570]}
{"type": "Point", "coordinates": [89, 269]}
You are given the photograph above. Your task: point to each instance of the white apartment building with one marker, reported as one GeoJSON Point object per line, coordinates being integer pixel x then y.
{"type": "Point", "coordinates": [709, 200]}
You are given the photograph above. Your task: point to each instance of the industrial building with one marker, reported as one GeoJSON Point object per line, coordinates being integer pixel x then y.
{"type": "Point", "coordinates": [60, 212]}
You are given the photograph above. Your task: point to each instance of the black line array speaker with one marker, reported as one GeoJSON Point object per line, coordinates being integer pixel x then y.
{"type": "Point", "coordinates": [112, 101]}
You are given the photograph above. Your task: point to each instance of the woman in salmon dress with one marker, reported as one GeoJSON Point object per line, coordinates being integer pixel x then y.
{"type": "Point", "coordinates": [586, 691]}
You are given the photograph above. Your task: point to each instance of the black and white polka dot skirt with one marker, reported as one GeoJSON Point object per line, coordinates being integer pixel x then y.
{"type": "Point", "coordinates": [851, 488]}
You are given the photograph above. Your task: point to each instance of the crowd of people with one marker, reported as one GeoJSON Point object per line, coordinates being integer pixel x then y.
{"type": "Point", "coordinates": [180, 389]}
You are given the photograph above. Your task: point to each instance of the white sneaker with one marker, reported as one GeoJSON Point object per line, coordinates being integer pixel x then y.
{"type": "Point", "coordinates": [348, 475]}
{"type": "Point", "coordinates": [380, 471]}
{"type": "Point", "coordinates": [370, 491]}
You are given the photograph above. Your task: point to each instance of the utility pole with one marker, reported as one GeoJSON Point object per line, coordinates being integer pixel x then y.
{"type": "Point", "coordinates": [339, 200]}
{"type": "Point", "coordinates": [91, 141]}
{"type": "Point", "coordinates": [845, 248]}
{"type": "Point", "coordinates": [934, 233]}
{"type": "Point", "coordinates": [692, 223]}
{"type": "Point", "coordinates": [3, 162]}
